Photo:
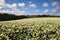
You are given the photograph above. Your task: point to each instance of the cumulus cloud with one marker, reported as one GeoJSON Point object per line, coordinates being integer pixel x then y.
{"type": "Point", "coordinates": [52, 12]}
{"type": "Point", "coordinates": [21, 4]}
{"type": "Point", "coordinates": [18, 12]}
{"type": "Point", "coordinates": [33, 5]}
{"type": "Point", "coordinates": [45, 4]}
{"type": "Point", "coordinates": [4, 11]}
{"type": "Point", "coordinates": [55, 3]}
{"type": "Point", "coordinates": [1, 8]}
{"type": "Point", "coordinates": [15, 12]}
{"type": "Point", "coordinates": [21, 13]}
{"type": "Point", "coordinates": [42, 12]}
{"type": "Point", "coordinates": [14, 5]}
{"type": "Point", "coordinates": [37, 10]}
{"type": "Point", "coordinates": [2, 2]}
{"type": "Point", "coordinates": [46, 12]}
{"type": "Point", "coordinates": [13, 8]}
{"type": "Point", "coordinates": [56, 9]}
{"type": "Point", "coordinates": [8, 5]}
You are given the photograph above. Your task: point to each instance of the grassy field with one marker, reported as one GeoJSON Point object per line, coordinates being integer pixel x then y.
{"type": "Point", "coordinates": [47, 28]}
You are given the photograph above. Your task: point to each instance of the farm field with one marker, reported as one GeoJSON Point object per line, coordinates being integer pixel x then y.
{"type": "Point", "coordinates": [47, 28]}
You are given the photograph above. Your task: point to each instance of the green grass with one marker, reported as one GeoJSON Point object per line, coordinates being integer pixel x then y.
{"type": "Point", "coordinates": [47, 28]}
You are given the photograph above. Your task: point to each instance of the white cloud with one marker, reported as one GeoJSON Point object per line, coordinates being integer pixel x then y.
{"type": "Point", "coordinates": [56, 9]}
{"type": "Point", "coordinates": [37, 10]}
{"type": "Point", "coordinates": [21, 13]}
{"type": "Point", "coordinates": [2, 2]}
{"type": "Point", "coordinates": [4, 11]}
{"type": "Point", "coordinates": [12, 5]}
{"type": "Point", "coordinates": [33, 5]}
{"type": "Point", "coordinates": [13, 8]}
{"type": "Point", "coordinates": [18, 12]}
{"type": "Point", "coordinates": [55, 3]}
{"type": "Point", "coordinates": [8, 5]}
{"type": "Point", "coordinates": [45, 4]}
{"type": "Point", "coordinates": [1, 8]}
{"type": "Point", "coordinates": [21, 4]}
{"type": "Point", "coordinates": [46, 12]}
{"type": "Point", "coordinates": [15, 12]}
{"type": "Point", "coordinates": [2, 5]}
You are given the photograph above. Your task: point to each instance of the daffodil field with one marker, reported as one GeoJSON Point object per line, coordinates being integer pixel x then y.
{"type": "Point", "coordinates": [30, 29]}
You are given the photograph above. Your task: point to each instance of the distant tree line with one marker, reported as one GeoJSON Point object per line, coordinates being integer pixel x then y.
{"type": "Point", "coordinates": [6, 17]}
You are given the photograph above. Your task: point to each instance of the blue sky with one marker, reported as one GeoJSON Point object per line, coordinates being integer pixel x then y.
{"type": "Point", "coordinates": [31, 7]}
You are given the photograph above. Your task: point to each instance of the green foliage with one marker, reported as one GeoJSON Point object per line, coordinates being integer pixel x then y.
{"type": "Point", "coordinates": [32, 30]}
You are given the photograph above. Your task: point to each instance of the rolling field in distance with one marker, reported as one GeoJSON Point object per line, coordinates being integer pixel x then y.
{"type": "Point", "coordinates": [47, 28]}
